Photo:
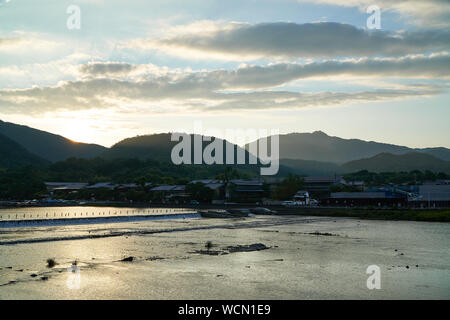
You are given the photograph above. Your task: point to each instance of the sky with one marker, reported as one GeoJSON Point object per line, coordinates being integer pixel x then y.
{"type": "Point", "coordinates": [99, 71]}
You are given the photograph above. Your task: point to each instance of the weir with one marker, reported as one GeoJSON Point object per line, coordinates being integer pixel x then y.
{"type": "Point", "coordinates": [16, 220]}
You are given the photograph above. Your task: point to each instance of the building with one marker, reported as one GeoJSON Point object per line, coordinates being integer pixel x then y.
{"type": "Point", "coordinates": [361, 199]}
{"type": "Point", "coordinates": [102, 185]}
{"type": "Point", "coordinates": [65, 186]}
{"type": "Point", "coordinates": [216, 185]}
{"type": "Point", "coordinates": [356, 184]}
{"type": "Point", "coordinates": [245, 191]}
{"type": "Point", "coordinates": [432, 196]}
{"type": "Point", "coordinates": [171, 193]}
{"type": "Point", "coordinates": [320, 186]}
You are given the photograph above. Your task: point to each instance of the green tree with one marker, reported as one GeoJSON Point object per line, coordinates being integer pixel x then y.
{"type": "Point", "coordinates": [200, 192]}
{"type": "Point", "coordinates": [289, 187]}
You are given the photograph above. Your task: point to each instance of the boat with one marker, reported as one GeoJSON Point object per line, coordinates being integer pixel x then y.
{"type": "Point", "coordinates": [240, 212]}
{"type": "Point", "coordinates": [215, 214]}
{"type": "Point", "coordinates": [262, 210]}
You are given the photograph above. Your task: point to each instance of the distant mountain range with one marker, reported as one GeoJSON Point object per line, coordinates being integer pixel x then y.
{"type": "Point", "coordinates": [383, 162]}
{"type": "Point", "coordinates": [302, 153]}
{"type": "Point", "coordinates": [318, 146]}
{"type": "Point", "coordinates": [49, 146]}
{"type": "Point", "coordinates": [386, 162]}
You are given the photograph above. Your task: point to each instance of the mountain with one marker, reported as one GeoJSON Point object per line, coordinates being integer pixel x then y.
{"type": "Point", "coordinates": [47, 145]}
{"type": "Point", "coordinates": [155, 146]}
{"type": "Point", "coordinates": [13, 154]}
{"type": "Point", "coordinates": [319, 146]}
{"type": "Point", "coordinates": [386, 162]}
{"type": "Point", "coordinates": [441, 153]}
{"type": "Point", "coordinates": [159, 147]}
{"type": "Point", "coordinates": [309, 167]}
{"type": "Point", "coordinates": [301, 153]}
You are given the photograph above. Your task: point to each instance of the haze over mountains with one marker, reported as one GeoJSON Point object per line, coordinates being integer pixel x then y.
{"type": "Point", "coordinates": [302, 153]}
{"type": "Point", "coordinates": [387, 162]}
{"type": "Point", "coordinates": [49, 146]}
{"type": "Point", "coordinates": [319, 146]}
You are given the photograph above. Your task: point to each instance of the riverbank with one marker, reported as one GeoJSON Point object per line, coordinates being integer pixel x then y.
{"type": "Point", "coordinates": [424, 215]}
{"type": "Point", "coordinates": [406, 214]}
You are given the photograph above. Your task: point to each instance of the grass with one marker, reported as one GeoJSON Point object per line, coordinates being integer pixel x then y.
{"type": "Point", "coordinates": [51, 263]}
{"type": "Point", "coordinates": [208, 245]}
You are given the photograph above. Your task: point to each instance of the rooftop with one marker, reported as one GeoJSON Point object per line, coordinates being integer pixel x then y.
{"type": "Point", "coordinates": [322, 179]}
{"type": "Point", "coordinates": [358, 195]}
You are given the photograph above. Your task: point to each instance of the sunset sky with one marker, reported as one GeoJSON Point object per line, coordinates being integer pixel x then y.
{"type": "Point", "coordinates": [138, 67]}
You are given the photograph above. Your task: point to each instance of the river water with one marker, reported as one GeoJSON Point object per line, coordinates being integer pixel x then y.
{"type": "Point", "coordinates": [306, 257]}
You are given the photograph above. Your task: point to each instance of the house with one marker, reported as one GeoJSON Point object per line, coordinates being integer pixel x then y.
{"type": "Point", "coordinates": [359, 185]}
{"type": "Point", "coordinates": [127, 186]}
{"type": "Point", "coordinates": [216, 185]}
{"type": "Point", "coordinates": [103, 185]}
{"type": "Point", "coordinates": [320, 186]}
{"type": "Point", "coordinates": [245, 191]}
{"type": "Point", "coordinates": [65, 186]}
{"type": "Point", "coordinates": [170, 193]}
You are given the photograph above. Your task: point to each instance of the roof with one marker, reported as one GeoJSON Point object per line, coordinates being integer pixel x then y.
{"type": "Point", "coordinates": [168, 188]}
{"type": "Point", "coordinates": [249, 190]}
{"type": "Point", "coordinates": [107, 185]}
{"type": "Point", "coordinates": [354, 183]}
{"type": "Point", "coordinates": [358, 195]}
{"type": "Point", "coordinates": [435, 192]}
{"type": "Point", "coordinates": [83, 185]}
{"type": "Point", "coordinates": [214, 186]}
{"type": "Point", "coordinates": [128, 185]}
{"type": "Point", "coordinates": [273, 180]}
{"type": "Point", "coordinates": [322, 179]}
{"type": "Point", "coordinates": [65, 185]}
{"type": "Point", "coordinates": [246, 182]}
{"type": "Point", "coordinates": [205, 181]}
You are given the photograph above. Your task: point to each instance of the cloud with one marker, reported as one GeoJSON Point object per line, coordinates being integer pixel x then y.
{"type": "Point", "coordinates": [26, 43]}
{"type": "Point", "coordinates": [257, 77]}
{"type": "Point", "coordinates": [146, 87]}
{"type": "Point", "coordinates": [252, 77]}
{"type": "Point", "coordinates": [24, 75]}
{"type": "Point", "coordinates": [6, 42]}
{"type": "Point", "coordinates": [107, 69]}
{"type": "Point", "coordinates": [243, 41]}
{"type": "Point", "coordinates": [292, 100]}
{"type": "Point", "coordinates": [431, 13]}
{"type": "Point", "coordinates": [121, 70]}
{"type": "Point", "coordinates": [161, 95]}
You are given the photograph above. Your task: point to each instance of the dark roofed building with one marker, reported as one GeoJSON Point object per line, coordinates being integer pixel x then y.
{"type": "Point", "coordinates": [378, 199]}
{"type": "Point", "coordinates": [245, 190]}
{"type": "Point", "coordinates": [68, 186]}
{"type": "Point", "coordinates": [171, 193]}
{"type": "Point", "coordinates": [320, 186]}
